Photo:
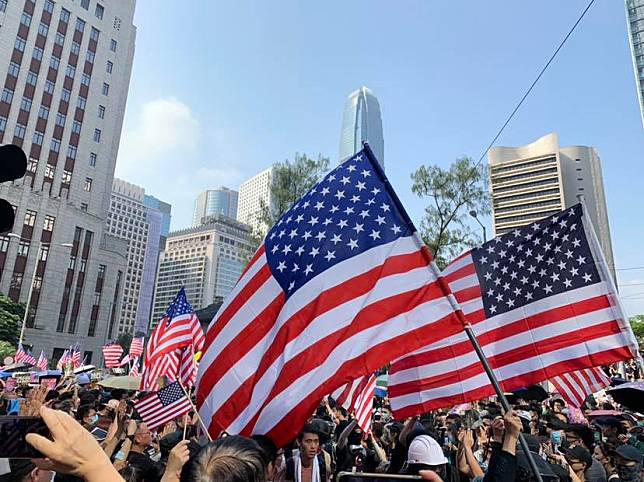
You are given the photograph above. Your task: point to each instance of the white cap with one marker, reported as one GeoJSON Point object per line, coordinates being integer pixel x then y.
{"type": "Point", "coordinates": [425, 450]}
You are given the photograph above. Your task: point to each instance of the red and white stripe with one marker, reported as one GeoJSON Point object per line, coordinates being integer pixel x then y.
{"type": "Point", "coordinates": [357, 397]}
{"type": "Point", "coordinates": [576, 386]}
{"type": "Point", "coordinates": [268, 361]}
{"type": "Point", "coordinates": [125, 360]}
{"type": "Point", "coordinates": [566, 332]}
{"type": "Point", "coordinates": [111, 355]}
{"type": "Point", "coordinates": [136, 347]}
{"type": "Point", "coordinates": [188, 369]}
{"type": "Point", "coordinates": [134, 370]}
{"type": "Point", "coordinates": [43, 362]}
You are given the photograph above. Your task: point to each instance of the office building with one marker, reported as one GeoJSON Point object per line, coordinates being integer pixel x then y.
{"type": "Point", "coordinates": [207, 260]}
{"type": "Point", "coordinates": [215, 201]}
{"type": "Point", "coordinates": [635, 23]}
{"type": "Point", "coordinates": [131, 220]}
{"type": "Point", "coordinates": [254, 193]}
{"type": "Point", "coordinates": [166, 216]}
{"type": "Point", "coordinates": [536, 180]}
{"type": "Point", "coordinates": [67, 66]}
{"type": "Point", "coordinates": [362, 121]}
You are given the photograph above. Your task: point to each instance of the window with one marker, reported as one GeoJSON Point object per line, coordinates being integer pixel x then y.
{"type": "Point", "coordinates": [67, 177]}
{"type": "Point", "coordinates": [32, 165]}
{"type": "Point", "coordinates": [3, 124]}
{"type": "Point", "coordinates": [75, 48]}
{"type": "Point", "coordinates": [89, 56]}
{"type": "Point", "coordinates": [80, 25]}
{"type": "Point", "coordinates": [19, 131]}
{"type": "Point", "coordinates": [30, 218]}
{"type": "Point", "coordinates": [49, 6]}
{"type": "Point", "coordinates": [76, 127]}
{"type": "Point", "coordinates": [3, 5]}
{"type": "Point", "coordinates": [49, 86]}
{"type": "Point", "coordinates": [48, 224]}
{"type": "Point", "coordinates": [94, 34]}
{"type": "Point", "coordinates": [20, 44]}
{"type": "Point", "coordinates": [37, 54]}
{"type": "Point", "coordinates": [70, 71]}
{"type": "Point", "coordinates": [25, 104]}
{"type": "Point", "coordinates": [7, 96]}
{"type": "Point", "coordinates": [4, 244]}
{"type": "Point", "coordinates": [88, 184]}
{"type": "Point", "coordinates": [72, 262]}
{"type": "Point", "coordinates": [113, 45]}
{"type": "Point", "coordinates": [60, 39]}
{"type": "Point", "coordinates": [55, 145]}
{"type": "Point", "coordinates": [97, 135]}
{"type": "Point", "coordinates": [44, 252]}
{"type": "Point", "coordinates": [81, 102]}
{"type": "Point", "coordinates": [23, 248]}
{"type": "Point", "coordinates": [65, 95]}
{"type": "Point", "coordinates": [106, 88]}
{"type": "Point", "coordinates": [50, 171]}
{"type": "Point", "coordinates": [84, 207]}
{"type": "Point", "coordinates": [101, 272]}
{"type": "Point", "coordinates": [101, 112]}
{"type": "Point", "coordinates": [43, 29]}
{"type": "Point", "coordinates": [14, 69]}
{"type": "Point", "coordinates": [99, 11]}
{"type": "Point", "coordinates": [54, 62]}
{"type": "Point", "coordinates": [92, 159]}
{"type": "Point", "coordinates": [61, 119]}
{"type": "Point", "coordinates": [25, 19]}
{"type": "Point", "coordinates": [85, 4]}
{"type": "Point", "coordinates": [71, 152]}
{"type": "Point", "coordinates": [32, 78]}
{"type": "Point", "coordinates": [43, 112]}
{"type": "Point", "coordinates": [109, 67]}
{"type": "Point", "coordinates": [38, 138]}
{"type": "Point", "coordinates": [64, 16]}
{"type": "Point", "coordinates": [16, 281]}
{"type": "Point", "coordinates": [85, 79]}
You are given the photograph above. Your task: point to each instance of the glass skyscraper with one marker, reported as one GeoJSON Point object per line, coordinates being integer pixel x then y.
{"type": "Point", "coordinates": [635, 14]}
{"type": "Point", "coordinates": [362, 121]}
{"type": "Point", "coordinates": [215, 201]}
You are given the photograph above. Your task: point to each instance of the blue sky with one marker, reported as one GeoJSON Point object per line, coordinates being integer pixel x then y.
{"type": "Point", "coordinates": [221, 90]}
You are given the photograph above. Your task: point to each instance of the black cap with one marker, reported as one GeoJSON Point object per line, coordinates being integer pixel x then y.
{"type": "Point", "coordinates": [629, 452]}
{"type": "Point", "coordinates": [608, 421]}
{"type": "Point", "coordinates": [581, 454]}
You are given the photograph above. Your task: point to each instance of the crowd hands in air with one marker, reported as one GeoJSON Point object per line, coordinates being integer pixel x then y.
{"type": "Point", "coordinates": [478, 443]}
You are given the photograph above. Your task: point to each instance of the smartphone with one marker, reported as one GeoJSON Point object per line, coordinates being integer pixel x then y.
{"type": "Point", "coordinates": [99, 434]}
{"type": "Point", "coordinates": [13, 430]}
{"type": "Point", "coordinates": [367, 477]}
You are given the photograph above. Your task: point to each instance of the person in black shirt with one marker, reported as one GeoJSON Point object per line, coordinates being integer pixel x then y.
{"type": "Point", "coordinates": [151, 471]}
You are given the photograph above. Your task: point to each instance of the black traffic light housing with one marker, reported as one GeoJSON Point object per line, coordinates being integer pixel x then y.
{"type": "Point", "coordinates": [13, 165]}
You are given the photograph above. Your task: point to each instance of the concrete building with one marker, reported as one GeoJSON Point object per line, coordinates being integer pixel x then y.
{"type": "Point", "coordinates": [67, 66]}
{"type": "Point", "coordinates": [536, 180]}
{"type": "Point", "coordinates": [131, 220]}
{"type": "Point", "coordinates": [362, 121]}
{"type": "Point", "coordinates": [215, 201]}
{"type": "Point", "coordinates": [252, 193]}
{"type": "Point", "coordinates": [166, 216]}
{"type": "Point", "coordinates": [207, 260]}
{"type": "Point", "coordinates": [635, 23]}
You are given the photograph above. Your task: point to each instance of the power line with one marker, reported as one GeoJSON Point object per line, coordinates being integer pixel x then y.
{"type": "Point", "coordinates": [527, 93]}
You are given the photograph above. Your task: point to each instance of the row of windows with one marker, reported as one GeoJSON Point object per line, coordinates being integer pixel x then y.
{"type": "Point", "coordinates": [529, 195]}
{"type": "Point", "coordinates": [521, 207]}
{"type": "Point", "coordinates": [526, 185]}
{"type": "Point", "coordinates": [524, 217]}
{"type": "Point", "coordinates": [522, 165]}
{"type": "Point", "coordinates": [516, 177]}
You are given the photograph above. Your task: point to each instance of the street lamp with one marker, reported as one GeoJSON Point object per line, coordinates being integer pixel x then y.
{"type": "Point", "coordinates": [33, 280]}
{"type": "Point", "coordinates": [474, 215]}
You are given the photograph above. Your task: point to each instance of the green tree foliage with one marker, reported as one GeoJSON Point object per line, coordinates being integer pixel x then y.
{"type": "Point", "coordinates": [10, 320]}
{"type": "Point", "coordinates": [6, 349]}
{"type": "Point", "coordinates": [125, 340]}
{"type": "Point", "coordinates": [451, 193]}
{"type": "Point", "coordinates": [637, 324]}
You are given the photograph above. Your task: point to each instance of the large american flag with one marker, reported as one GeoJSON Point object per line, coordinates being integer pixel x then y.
{"type": "Point", "coordinates": [112, 354]}
{"type": "Point", "coordinates": [163, 406]}
{"type": "Point", "coordinates": [541, 304]}
{"type": "Point", "coordinates": [24, 356]}
{"type": "Point", "coordinates": [576, 386]}
{"type": "Point", "coordinates": [341, 285]}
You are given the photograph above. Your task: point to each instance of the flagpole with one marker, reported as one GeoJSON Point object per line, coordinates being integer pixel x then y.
{"type": "Point", "coordinates": [203, 426]}
{"type": "Point", "coordinates": [467, 327]}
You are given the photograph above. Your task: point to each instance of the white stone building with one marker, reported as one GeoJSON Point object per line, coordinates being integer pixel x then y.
{"type": "Point", "coordinates": [252, 193]}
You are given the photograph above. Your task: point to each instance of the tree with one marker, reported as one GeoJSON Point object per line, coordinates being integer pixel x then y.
{"type": "Point", "coordinates": [125, 340]}
{"type": "Point", "coordinates": [452, 194]}
{"type": "Point", "coordinates": [11, 315]}
{"type": "Point", "coordinates": [6, 349]}
{"type": "Point", "coordinates": [637, 324]}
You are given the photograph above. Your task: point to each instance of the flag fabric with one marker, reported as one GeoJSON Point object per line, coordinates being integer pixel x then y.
{"type": "Point", "coordinates": [134, 370]}
{"type": "Point", "coordinates": [188, 368]}
{"type": "Point", "coordinates": [357, 398]}
{"type": "Point", "coordinates": [42, 362]}
{"type": "Point", "coordinates": [341, 285]}
{"type": "Point", "coordinates": [163, 406]}
{"type": "Point", "coordinates": [575, 387]}
{"type": "Point", "coordinates": [112, 354]}
{"type": "Point", "coordinates": [125, 360]}
{"type": "Point", "coordinates": [62, 361]}
{"type": "Point", "coordinates": [23, 356]}
{"type": "Point", "coordinates": [136, 347]}
{"type": "Point", "coordinates": [541, 303]}
{"type": "Point", "coordinates": [75, 356]}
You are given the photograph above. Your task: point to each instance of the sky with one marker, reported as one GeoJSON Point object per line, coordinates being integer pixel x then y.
{"type": "Point", "coordinates": [221, 90]}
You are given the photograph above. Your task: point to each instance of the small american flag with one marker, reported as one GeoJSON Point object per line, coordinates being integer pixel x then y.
{"type": "Point", "coordinates": [76, 356]}
{"type": "Point", "coordinates": [22, 356]}
{"type": "Point", "coordinates": [112, 354]}
{"type": "Point", "coordinates": [134, 371]}
{"type": "Point", "coordinates": [357, 398]}
{"type": "Point", "coordinates": [576, 386]}
{"type": "Point", "coordinates": [63, 360]}
{"type": "Point", "coordinates": [126, 359]}
{"type": "Point", "coordinates": [163, 406]}
{"type": "Point", "coordinates": [42, 362]}
{"type": "Point", "coordinates": [136, 347]}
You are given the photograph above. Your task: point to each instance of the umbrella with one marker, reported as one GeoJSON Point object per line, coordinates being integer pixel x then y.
{"type": "Point", "coordinates": [630, 395]}
{"type": "Point", "coordinates": [532, 393]}
{"type": "Point", "coordinates": [604, 413]}
{"type": "Point", "coordinates": [125, 383]}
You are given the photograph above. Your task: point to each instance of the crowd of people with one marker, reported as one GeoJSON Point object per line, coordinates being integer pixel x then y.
{"type": "Point", "coordinates": [97, 435]}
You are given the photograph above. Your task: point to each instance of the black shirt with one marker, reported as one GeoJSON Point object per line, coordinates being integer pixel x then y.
{"type": "Point", "coordinates": [151, 471]}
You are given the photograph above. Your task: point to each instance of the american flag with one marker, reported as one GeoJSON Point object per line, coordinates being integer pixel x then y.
{"type": "Point", "coordinates": [188, 369]}
{"type": "Point", "coordinates": [341, 285]}
{"type": "Point", "coordinates": [163, 406]}
{"type": "Point", "coordinates": [134, 370]}
{"type": "Point", "coordinates": [136, 347]}
{"type": "Point", "coordinates": [541, 303]}
{"type": "Point", "coordinates": [126, 359]}
{"type": "Point", "coordinates": [357, 398]}
{"type": "Point", "coordinates": [76, 356]}
{"type": "Point", "coordinates": [63, 360]}
{"type": "Point", "coordinates": [576, 386]}
{"type": "Point", "coordinates": [42, 362]}
{"type": "Point", "coordinates": [179, 330]}
{"type": "Point", "coordinates": [23, 356]}
{"type": "Point", "coordinates": [112, 354]}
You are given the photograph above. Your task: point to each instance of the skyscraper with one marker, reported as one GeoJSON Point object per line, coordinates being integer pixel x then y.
{"type": "Point", "coordinates": [252, 194]}
{"type": "Point", "coordinates": [635, 22]}
{"type": "Point", "coordinates": [67, 67]}
{"type": "Point", "coordinates": [362, 121]}
{"type": "Point", "coordinates": [536, 180]}
{"type": "Point", "coordinates": [215, 201]}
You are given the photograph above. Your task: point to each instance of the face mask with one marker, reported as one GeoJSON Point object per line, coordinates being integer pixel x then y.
{"type": "Point", "coordinates": [555, 438]}
{"type": "Point", "coordinates": [629, 474]}
{"type": "Point", "coordinates": [94, 420]}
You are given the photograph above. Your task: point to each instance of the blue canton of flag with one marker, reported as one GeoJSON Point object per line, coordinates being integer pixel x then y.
{"type": "Point", "coordinates": [534, 262]}
{"type": "Point", "coordinates": [179, 306]}
{"type": "Point", "coordinates": [347, 213]}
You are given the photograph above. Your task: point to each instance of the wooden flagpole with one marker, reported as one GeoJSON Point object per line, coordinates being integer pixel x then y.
{"type": "Point", "coordinates": [203, 426]}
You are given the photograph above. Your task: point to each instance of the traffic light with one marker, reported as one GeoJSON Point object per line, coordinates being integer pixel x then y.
{"type": "Point", "coordinates": [13, 165]}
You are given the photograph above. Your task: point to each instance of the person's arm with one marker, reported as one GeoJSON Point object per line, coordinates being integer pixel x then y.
{"type": "Point", "coordinates": [178, 457]}
{"type": "Point", "coordinates": [409, 426]}
{"type": "Point", "coordinates": [461, 460]}
{"type": "Point", "coordinates": [473, 464]}
{"type": "Point", "coordinates": [380, 452]}
{"type": "Point", "coordinates": [503, 463]}
{"type": "Point", "coordinates": [342, 440]}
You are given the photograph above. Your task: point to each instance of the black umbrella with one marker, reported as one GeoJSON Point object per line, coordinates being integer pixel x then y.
{"type": "Point", "coordinates": [630, 395]}
{"type": "Point", "coordinates": [532, 393]}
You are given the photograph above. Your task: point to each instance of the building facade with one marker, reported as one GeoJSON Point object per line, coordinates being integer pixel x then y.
{"type": "Point", "coordinates": [206, 260]}
{"type": "Point", "coordinates": [533, 181]}
{"type": "Point", "coordinates": [140, 226]}
{"type": "Point", "coordinates": [252, 194]}
{"type": "Point", "coordinates": [215, 201]}
{"type": "Point", "coordinates": [362, 121]}
{"type": "Point", "coordinates": [67, 67]}
{"type": "Point", "coordinates": [635, 23]}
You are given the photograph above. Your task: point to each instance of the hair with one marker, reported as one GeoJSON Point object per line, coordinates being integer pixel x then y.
{"type": "Point", "coordinates": [584, 432]}
{"type": "Point", "coordinates": [229, 459]}
{"type": "Point", "coordinates": [51, 395]}
{"type": "Point", "coordinates": [83, 411]}
{"type": "Point", "coordinates": [269, 449]}
{"type": "Point", "coordinates": [131, 473]}
{"type": "Point", "coordinates": [308, 428]}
